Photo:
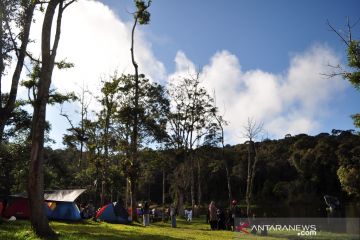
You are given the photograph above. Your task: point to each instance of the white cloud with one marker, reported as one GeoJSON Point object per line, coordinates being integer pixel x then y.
{"type": "Point", "coordinates": [293, 102]}
{"type": "Point", "coordinates": [98, 42]}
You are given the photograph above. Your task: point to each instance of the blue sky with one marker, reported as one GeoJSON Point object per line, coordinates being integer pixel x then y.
{"type": "Point", "coordinates": [263, 33]}
{"type": "Point", "coordinates": [263, 58]}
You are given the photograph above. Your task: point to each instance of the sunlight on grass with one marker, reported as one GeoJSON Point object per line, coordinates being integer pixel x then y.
{"type": "Point", "coordinates": [197, 229]}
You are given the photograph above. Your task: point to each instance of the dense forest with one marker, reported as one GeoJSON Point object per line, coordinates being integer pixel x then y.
{"type": "Point", "coordinates": [295, 169]}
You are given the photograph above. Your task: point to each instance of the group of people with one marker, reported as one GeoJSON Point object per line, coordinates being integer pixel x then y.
{"type": "Point", "coordinates": [224, 220]}
{"type": "Point", "coordinates": [146, 214]}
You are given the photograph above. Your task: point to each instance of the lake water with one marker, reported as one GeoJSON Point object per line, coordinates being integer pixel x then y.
{"type": "Point", "coordinates": [346, 219]}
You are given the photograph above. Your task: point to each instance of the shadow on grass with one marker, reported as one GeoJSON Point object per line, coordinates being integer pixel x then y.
{"type": "Point", "coordinates": [80, 231]}
{"type": "Point", "coordinates": [112, 235]}
{"type": "Point", "coordinates": [107, 231]}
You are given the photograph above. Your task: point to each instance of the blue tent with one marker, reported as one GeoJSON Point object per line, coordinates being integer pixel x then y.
{"type": "Point", "coordinates": [63, 211]}
{"type": "Point", "coordinates": [114, 213]}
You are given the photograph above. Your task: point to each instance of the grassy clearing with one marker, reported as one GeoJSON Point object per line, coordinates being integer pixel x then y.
{"type": "Point", "coordinates": [157, 231]}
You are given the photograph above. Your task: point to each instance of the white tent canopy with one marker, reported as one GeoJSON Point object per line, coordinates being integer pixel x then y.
{"type": "Point", "coordinates": [58, 195]}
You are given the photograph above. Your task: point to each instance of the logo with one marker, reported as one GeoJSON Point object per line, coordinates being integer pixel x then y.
{"type": "Point", "coordinates": [242, 227]}
{"type": "Point", "coordinates": [264, 226]}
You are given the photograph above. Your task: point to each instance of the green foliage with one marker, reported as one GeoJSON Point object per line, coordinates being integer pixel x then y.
{"type": "Point", "coordinates": [350, 179]}
{"type": "Point", "coordinates": [18, 125]}
{"type": "Point", "coordinates": [349, 159]}
{"type": "Point", "coordinates": [356, 119]}
{"type": "Point", "coordinates": [54, 97]}
{"type": "Point", "coordinates": [13, 167]}
{"type": "Point", "coordinates": [354, 76]}
{"type": "Point", "coordinates": [142, 15]}
{"type": "Point", "coordinates": [191, 120]}
{"type": "Point", "coordinates": [282, 190]}
{"type": "Point", "coordinates": [64, 65]}
{"type": "Point", "coordinates": [354, 62]}
{"type": "Point", "coordinates": [10, 11]}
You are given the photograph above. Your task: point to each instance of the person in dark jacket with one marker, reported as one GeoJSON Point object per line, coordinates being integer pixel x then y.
{"type": "Point", "coordinates": [221, 220]}
{"type": "Point", "coordinates": [146, 214]}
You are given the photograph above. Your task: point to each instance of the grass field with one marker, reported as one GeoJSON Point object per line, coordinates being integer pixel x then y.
{"type": "Point", "coordinates": [197, 229]}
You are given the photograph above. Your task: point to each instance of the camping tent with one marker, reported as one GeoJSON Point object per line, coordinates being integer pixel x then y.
{"type": "Point", "coordinates": [18, 207]}
{"type": "Point", "coordinates": [62, 211]}
{"type": "Point", "coordinates": [59, 205]}
{"type": "Point", "coordinates": [114, 213]}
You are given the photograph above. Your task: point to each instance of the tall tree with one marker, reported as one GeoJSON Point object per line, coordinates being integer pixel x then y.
{"type": "Point", "coordinates": [38, 218]}
{"type": "Point", "coordinates": [190, 120]}
{"type": "Point", "coordinates": [77, 134]}
{"type": "Point", "coordinates": [349, 165]}
{"type": "Point", "coordinates": [221, 123]}
{"type": "Point", "coordinates": [11, 12]}
{"type": "Point", "coordinates": [251, 131]}
{"type": "Point", "coordinates": [141, 16]}
{"type": "Point", "coordinates": [352, 74]}
{"type": "Point", "coordinates": [109, 103]}
{"type": "Point", "coordinates": [151, 111]}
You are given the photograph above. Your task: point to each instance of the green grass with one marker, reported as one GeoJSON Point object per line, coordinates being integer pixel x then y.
{"type": "Point", "coordinates": [198, 229]}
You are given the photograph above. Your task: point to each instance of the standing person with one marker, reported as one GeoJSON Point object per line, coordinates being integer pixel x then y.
{"type": "Point", "coordinates": [173, 216]}
{"type": "Point", "coordinates": [146, 214]}
{"type": "Point", "coordinates": [235, 214]}
{"type": "Point", "coordinates": [212, 215]}
{"type": "Point", "coordinates": [189, 215]}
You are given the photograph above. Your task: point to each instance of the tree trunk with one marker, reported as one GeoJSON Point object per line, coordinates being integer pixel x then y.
{"type": "Point", "coordinates": [248, 180]}
{"type": "Point", "coordinates": [180, 202]}
{"type": "Point", "coordinates": [3, 119]}
{"type": "Point", "coordinates": [253, 172]}
{"type": "Point", "coordinates": [163, 194]}
{"type": "Point", "coordinates": [163, 187]}
{"type": "Point", "coordinates": [38, 218]}
{"type": "Point", "coordinates": [133, 189]}
{"type": "Point", "coordinates": [102, 194]}
{"type": "Point", "coordinates": [199, 185]}
{"type": "Point", "coordinates": [192, 186]}
{"type": "Point", "coordinates": [134, 136]}
{"type": "Point", "coordinates": [127, 193]}
{"type": "Point", "coordinates": [228, 179]}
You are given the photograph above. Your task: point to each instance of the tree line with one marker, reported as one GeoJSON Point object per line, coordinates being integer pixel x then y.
{"type": "Point", "coordinates": [295, 169]}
